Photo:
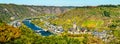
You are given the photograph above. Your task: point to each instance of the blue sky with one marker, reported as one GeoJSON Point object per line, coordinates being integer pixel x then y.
{"type": "Point", "coordinates": [62, 2]}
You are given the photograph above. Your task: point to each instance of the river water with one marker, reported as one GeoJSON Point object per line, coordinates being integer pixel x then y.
{"type": "Point", "coordinates": [36, 28]}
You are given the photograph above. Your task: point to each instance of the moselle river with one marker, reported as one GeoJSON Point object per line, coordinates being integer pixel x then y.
{"type": "Point", "coordinates": [36, 28]}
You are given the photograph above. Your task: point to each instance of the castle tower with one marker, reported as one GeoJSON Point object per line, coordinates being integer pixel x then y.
{"type": "Point", "coordinates": [74, 26]}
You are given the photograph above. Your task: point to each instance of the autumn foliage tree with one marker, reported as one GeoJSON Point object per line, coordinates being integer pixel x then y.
{"type": "Point", "coordinates": [8, 33]}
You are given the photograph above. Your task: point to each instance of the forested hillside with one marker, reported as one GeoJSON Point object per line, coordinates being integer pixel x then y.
{"type": "Point", "coordinates": [91, 17]}
{"type": "Point", "coordinates": [101, 11]}
{"type": "Point", "coordinates": [12, 11]}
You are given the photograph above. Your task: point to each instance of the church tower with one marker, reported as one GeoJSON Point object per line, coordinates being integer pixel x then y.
{"type": "Point", "coordinates": [74, 26]}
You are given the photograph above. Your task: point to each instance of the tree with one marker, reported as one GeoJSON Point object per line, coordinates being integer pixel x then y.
{"type": "Point", "coordinates": [107, 14]}
{"type": "Point", "coordinates": [8, 33]}
{"type": "Point", "coordinates": [1, 21]}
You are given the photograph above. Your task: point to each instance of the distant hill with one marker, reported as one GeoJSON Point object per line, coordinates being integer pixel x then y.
{"type": "Point", "coordinates": [102, 10]}
{"type": "Point", "coordinates": [10, 11]}
{"type": "Point", "coordinates": [103, 16]}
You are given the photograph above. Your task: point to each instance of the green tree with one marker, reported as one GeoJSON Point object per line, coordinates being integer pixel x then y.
{"type": "Point", "coordinates": [106, 13]}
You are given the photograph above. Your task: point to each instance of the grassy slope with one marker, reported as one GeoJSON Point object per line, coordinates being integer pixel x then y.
{"type": "Point", "coordinates": [92, 16]}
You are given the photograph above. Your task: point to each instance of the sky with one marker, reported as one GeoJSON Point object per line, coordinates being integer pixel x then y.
{"type": "Point", "coordinates": [62, 2]}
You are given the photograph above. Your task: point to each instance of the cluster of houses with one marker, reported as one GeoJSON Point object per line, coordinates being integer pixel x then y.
{"type": "Point", "coordinates": [16, 23]}
{"type": "Point", "coordinates": [78, 30]}
{"type": "Point", "coordinates": [54, 29]}
{"type": "Point", "coordinates": [74, 30]}
{"type": "Point", "coordinates": [103, 35]}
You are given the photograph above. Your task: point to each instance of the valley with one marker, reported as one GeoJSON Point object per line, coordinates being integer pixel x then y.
{"type": "Point", "coordinates": [59, 25]}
